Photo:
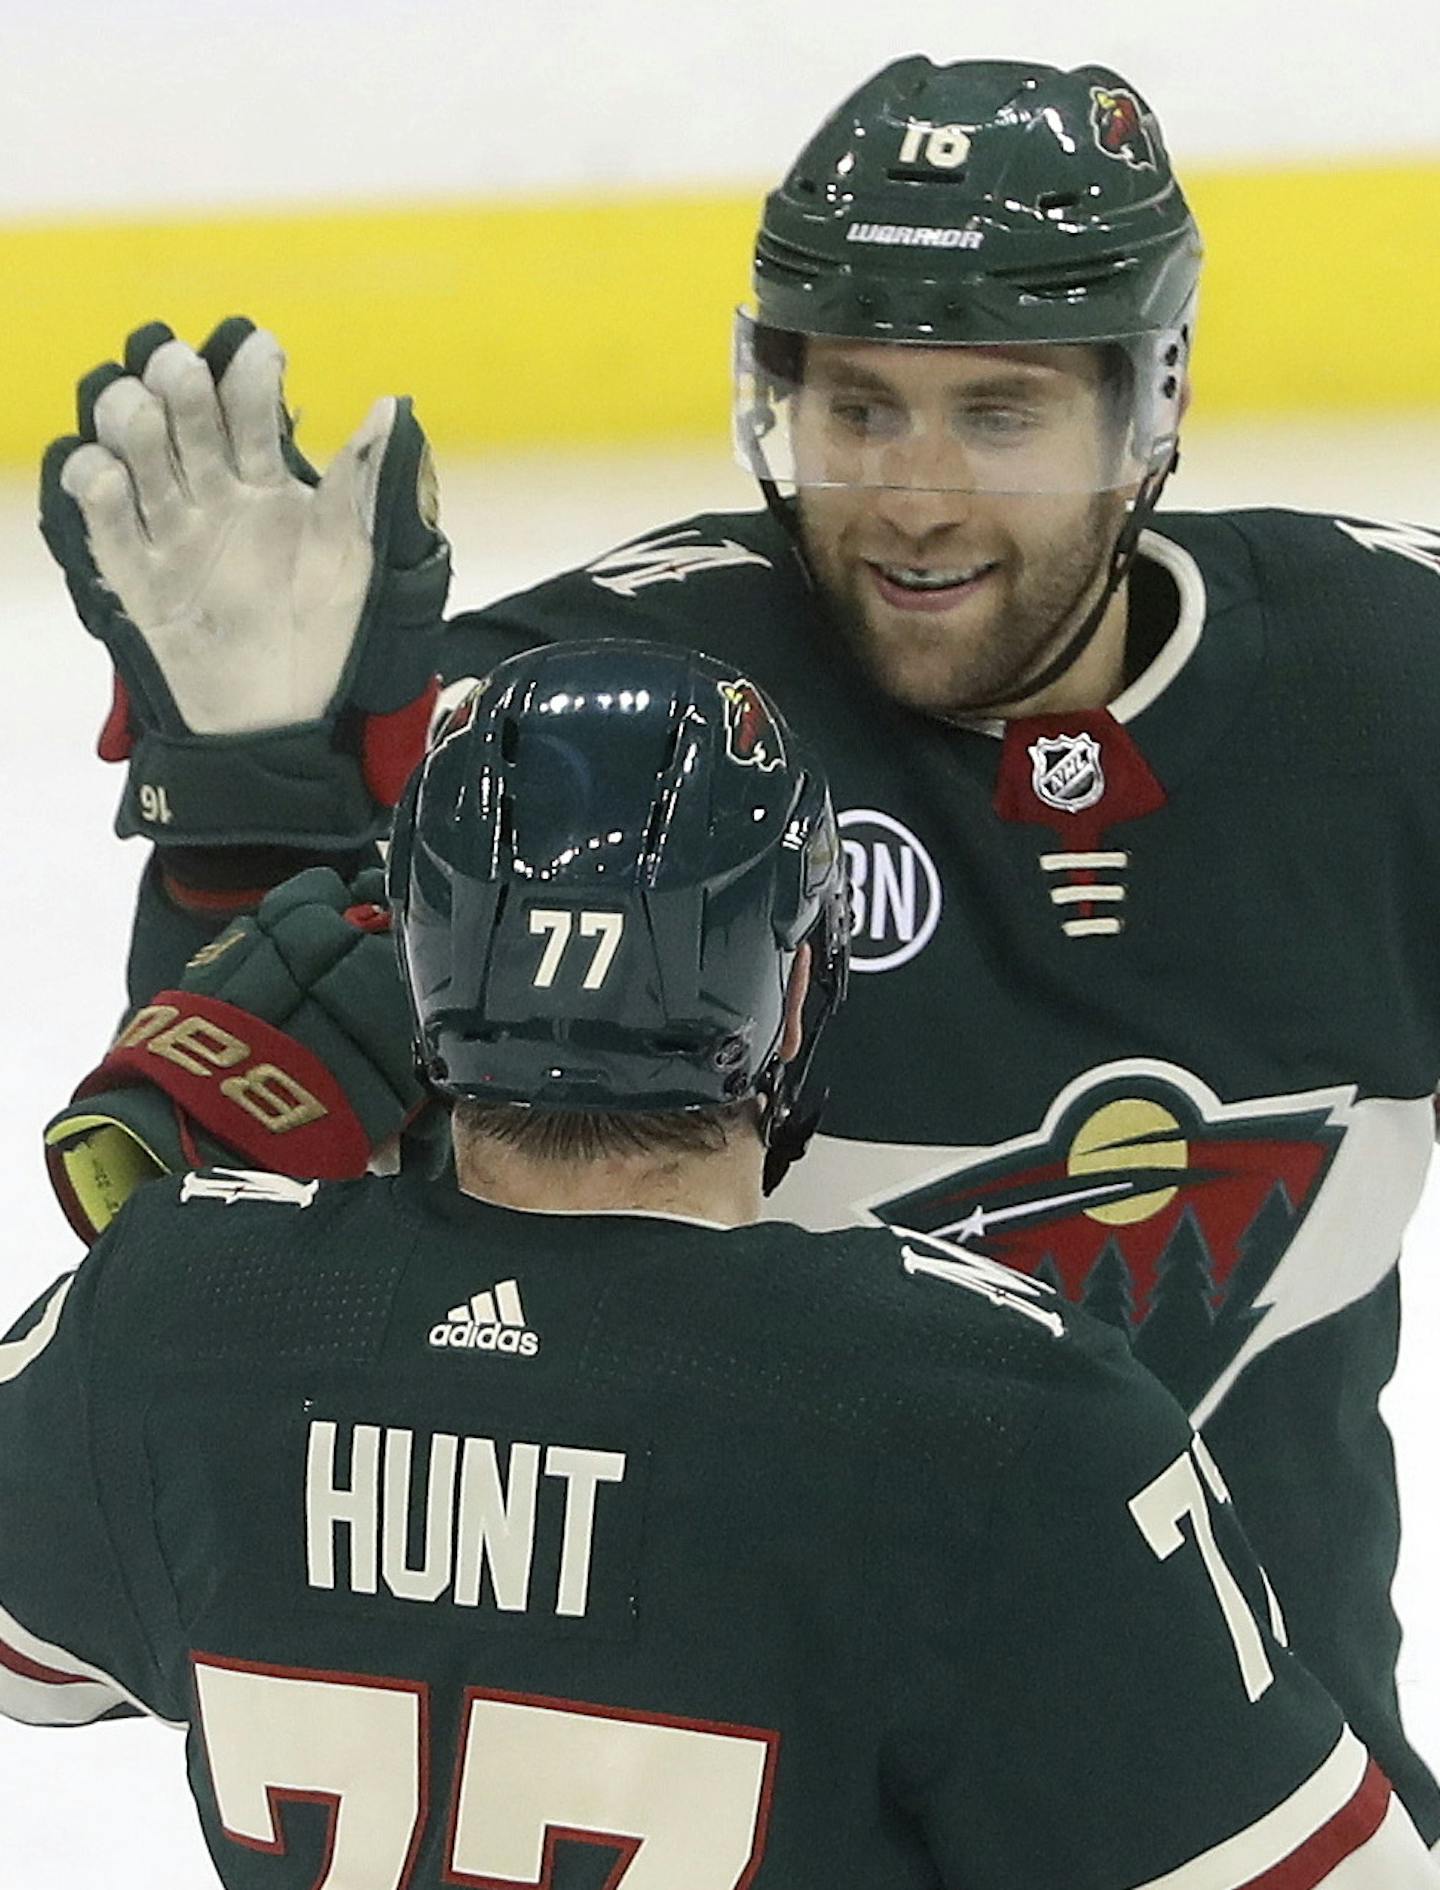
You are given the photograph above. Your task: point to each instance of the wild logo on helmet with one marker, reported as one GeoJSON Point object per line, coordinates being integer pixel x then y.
{"type": "Point", "coordinates": [751, 736]}
{"type": "Point", "coordinates": [1120, 129]}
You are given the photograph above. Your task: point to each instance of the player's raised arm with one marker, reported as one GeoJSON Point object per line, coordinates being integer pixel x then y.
{"type": "Point", "coordinates": [1129, 1717]}
{"type": "Point", "coordinates": [273, 631]}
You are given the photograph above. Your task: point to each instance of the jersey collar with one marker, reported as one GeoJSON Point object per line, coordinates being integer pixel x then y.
{"type": "Point", "coordinates": [1083, 772]}
{"type": "Point", "coordinates": [1183, 640]}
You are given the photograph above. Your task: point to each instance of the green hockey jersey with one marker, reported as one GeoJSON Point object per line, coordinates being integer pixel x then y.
{"type": "Point", "coordinates": [1146, 1001]}
{"type": "Point", "coordinates": [622, 1552]}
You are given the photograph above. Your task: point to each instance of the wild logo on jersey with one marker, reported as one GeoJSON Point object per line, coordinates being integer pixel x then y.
{"type": "Point", "coordinates": [1164, 1211]}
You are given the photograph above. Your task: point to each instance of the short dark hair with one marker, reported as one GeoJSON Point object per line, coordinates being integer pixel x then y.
{"type": "Point", "coordinates": [571, 1135]}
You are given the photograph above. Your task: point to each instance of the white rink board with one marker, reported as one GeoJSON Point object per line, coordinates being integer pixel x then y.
{"type": "Point", "coordinates": [178, 106]}
{"type": "Point", "coordinates": [108, 1805]}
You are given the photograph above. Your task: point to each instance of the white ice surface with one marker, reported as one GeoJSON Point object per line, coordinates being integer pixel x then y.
{"type": "Point", "coordinates": [108, 1805]}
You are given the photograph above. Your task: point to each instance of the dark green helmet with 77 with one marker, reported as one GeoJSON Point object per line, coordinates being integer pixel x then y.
{"type": "Point", "coordinates": [984, 205]}
{"type": "Point", "coordinates": [602, 875]}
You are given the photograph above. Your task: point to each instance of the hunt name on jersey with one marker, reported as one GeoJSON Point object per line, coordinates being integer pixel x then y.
{"type": "Point", "coordinates": [489, 1531]}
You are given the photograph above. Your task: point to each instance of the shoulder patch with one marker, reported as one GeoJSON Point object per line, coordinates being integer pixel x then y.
{"type": "Point", "coordinates": [1419, 543]}
{"type": "Point", "coordinates": [668, 559]}
{"type": "Point", "coordinates": [229, 1185]}
{"type": "Point", "coordinates": [1016, 1292]}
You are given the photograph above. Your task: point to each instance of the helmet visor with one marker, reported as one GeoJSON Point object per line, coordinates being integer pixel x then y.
{"type": "Point", "coordinates": [1034, 417]}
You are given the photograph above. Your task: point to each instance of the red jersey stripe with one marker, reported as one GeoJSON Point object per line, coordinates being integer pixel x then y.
{"type": "Point", "coordinates": [32, 1670]}
{"type": "Point", "coordinates": [1354, 1824]}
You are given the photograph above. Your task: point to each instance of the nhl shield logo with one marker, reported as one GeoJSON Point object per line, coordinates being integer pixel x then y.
{"type": "Point", "coordinates": [1066, 772]}
{"type": "Point", "coordinates": [751, 736]}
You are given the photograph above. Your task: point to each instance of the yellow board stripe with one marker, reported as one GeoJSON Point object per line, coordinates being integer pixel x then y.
{"type": "Point", "coordinates": [1320, 289]}
{"type": "Point", "coordinates": [580, 322]}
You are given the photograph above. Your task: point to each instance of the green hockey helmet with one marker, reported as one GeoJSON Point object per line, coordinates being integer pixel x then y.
{"type": "Point", "coordinates": [602, 874]}
{"type": "Point", "coordinates": [998, 206]}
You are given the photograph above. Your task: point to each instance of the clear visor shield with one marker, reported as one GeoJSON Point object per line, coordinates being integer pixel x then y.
{"type": "Point", "coordinates": [821, 410]}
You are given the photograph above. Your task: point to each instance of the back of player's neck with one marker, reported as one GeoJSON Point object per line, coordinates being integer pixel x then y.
{"type": "Point", "coordinates": [723, 1186]}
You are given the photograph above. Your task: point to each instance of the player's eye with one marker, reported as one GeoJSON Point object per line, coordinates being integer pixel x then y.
{"type": "Point", "coordinates": [1000, 425]}
{"type": "Point", "coordinates": [866, 418]}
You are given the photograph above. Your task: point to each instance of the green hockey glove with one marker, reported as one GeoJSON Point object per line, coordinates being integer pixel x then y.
{"type": "Point", "coordinates": [285, 1048]}
{"type": "Point", "coordinates": [274, 633]}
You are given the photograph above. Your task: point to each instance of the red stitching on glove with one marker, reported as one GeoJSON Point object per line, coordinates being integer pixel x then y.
{"type": "Point", "coordinates": [207, 902]}
{"type": "Point", "coordinates": [117, 741]}
{"type": "Point", "coordinates": [392, 745]}
{"type": "Point", "coordinates": [189, 1149]}
{"type": "Point", "coordinates": [67, 1197]}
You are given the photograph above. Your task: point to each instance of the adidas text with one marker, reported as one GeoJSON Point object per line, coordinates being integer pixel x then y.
{"type": "Point", "coordinates": [486, 1339]}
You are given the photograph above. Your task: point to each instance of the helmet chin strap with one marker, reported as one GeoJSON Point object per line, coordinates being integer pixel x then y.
{"type": "Point", "coordinates": [782, 509]}
{"type": "Point", "coordinates": [1122, 557]}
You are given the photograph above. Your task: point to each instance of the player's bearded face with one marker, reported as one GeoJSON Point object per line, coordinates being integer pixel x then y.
{"type": "Point", "coordinates": [951, 589]}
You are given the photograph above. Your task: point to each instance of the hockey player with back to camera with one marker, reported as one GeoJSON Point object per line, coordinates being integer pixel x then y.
{"type": "Point", "coordinates": [471, 1532]}
{"type": "Point", "coordinates": [1144, 999]}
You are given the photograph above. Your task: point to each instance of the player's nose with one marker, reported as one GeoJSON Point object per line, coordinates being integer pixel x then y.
{"type": "Point", "coordinates": [918, 514]}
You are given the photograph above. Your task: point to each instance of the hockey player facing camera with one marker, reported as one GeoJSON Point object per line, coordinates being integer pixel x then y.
{"type": "Point", "coordinates": [1141, 843]}
{"type": "Point", "coordinates": [579, 1527]}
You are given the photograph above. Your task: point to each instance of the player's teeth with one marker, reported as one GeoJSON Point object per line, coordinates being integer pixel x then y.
{"type": "Point", "coordinates": [916, 580]}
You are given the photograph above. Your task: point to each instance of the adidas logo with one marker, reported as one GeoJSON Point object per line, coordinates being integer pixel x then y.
{"type": "Point", "coordinates": [491, 1322]}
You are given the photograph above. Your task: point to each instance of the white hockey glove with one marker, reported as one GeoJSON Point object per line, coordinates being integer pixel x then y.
{"type": "Point", "coordinates": [274, 633]}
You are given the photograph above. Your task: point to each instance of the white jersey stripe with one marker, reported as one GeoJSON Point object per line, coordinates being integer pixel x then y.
{"type": "Point", "coordinates": [507, 1298]}
{"type": "Point", "coordinates": [15, 1356]}
{"type": "Point", "coordinates": [42, 1684]}
{"type": "Point", "coordinates": [36, 1702]}
{"type": "Point", "coordinates": [1248, 1856]}
{"type": "Point", "coordinates": [1089, 928]}
{"type": "Point", "coordinates": [1084, 895]}
{"type": "Point", "coordinates": [1078, 862]}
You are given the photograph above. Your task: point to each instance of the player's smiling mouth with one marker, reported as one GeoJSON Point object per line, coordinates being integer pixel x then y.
{"type": "Point", "coordinates": [921, 587]}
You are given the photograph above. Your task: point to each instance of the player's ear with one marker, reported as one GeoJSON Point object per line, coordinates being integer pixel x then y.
{"type": "Point", "coordinates": [794, 1005]}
